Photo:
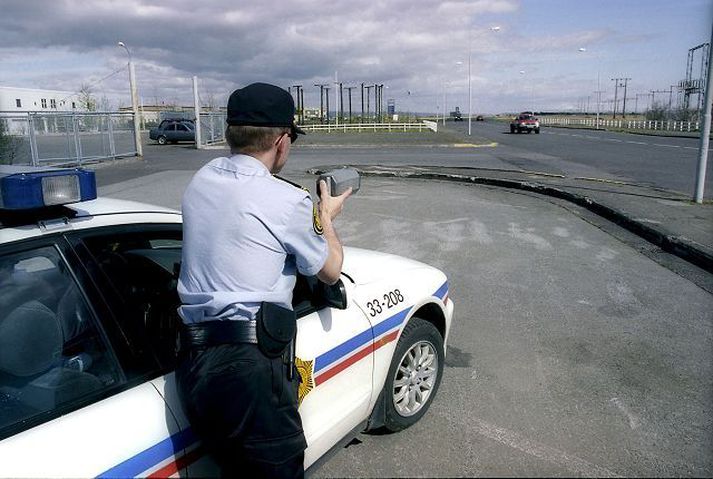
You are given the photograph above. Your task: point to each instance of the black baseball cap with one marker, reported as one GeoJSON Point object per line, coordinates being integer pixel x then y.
{"type": "Point", "coordinates": [262, 104]}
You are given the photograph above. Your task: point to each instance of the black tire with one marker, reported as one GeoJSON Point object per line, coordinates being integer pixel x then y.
{"type": "Point", "coordinates": [161, 140]}
{"type": "Point", "coordinates": [512, 129]}
{"type": "Point", "coordinates": [421, 336]}
{"type": "Point", "coordinates": [537, 131]}
{"type": "Point", "coordinates": [529, 131]}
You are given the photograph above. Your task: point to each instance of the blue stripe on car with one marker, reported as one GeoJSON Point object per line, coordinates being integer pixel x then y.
{"type": "Point", "coordinates": [152, 456]}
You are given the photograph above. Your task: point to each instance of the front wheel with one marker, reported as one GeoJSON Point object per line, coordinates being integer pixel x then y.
{"type": "Point", "coordinates": [512, 129]}
{"type": "Point", "coordinates": [537, 131]}
{"type": "Point", "coordinates": [414, 375]}
{"type": "Point", "coordinates": [161, 140]}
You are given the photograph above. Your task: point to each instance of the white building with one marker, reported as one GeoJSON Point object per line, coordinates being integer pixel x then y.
{"type": "Point", "coordinates": [15, 103]}
{"type": "Point", "coordinates": [16, 100]}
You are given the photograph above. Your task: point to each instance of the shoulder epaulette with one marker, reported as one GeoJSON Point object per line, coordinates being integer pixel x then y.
{"type": "Point", "coordinates": [296, 185]}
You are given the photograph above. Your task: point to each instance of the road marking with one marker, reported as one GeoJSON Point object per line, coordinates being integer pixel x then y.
{"type": "Point", "coordinates": [690, 147]}
{"type": "Point", "coordinates": [593, 137]}
{"type": "Point", "coordinates": [574, 464]}
{"type": "Point", "coordinates": [637, 142]}
{"type": "Point", "coordinates": [669, 146]}
{"type": "Point", "coordinates": [614, 139]}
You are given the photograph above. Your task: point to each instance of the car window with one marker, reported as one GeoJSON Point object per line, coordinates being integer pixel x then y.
{"type": "Point", "coordinates": [181, 127]}
{"type": "Point", "coordinates": [52, 352]}
{"type": "Point", "coordinates": [143, 269]}
{"type": "Point", "coordinates": [171, 127]}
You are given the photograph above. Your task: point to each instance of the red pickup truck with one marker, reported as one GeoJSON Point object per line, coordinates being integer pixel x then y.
{"type": "Point", "coordinates": [525, 121]}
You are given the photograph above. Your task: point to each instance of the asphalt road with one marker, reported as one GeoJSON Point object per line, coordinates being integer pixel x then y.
{"type": "Point", "coordinates": [571, 353]}
{"type": "Point", "coordinates": [665, 162]}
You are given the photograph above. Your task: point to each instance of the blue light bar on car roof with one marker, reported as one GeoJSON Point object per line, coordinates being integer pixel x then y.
{"type": "Point", "coordinates": [25, 188]}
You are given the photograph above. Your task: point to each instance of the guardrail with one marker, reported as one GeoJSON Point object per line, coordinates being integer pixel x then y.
{"type": "Point", "coordinates": [418, 126]}
{"type": "Point", "coordinates": [664, 125]}
{"type": "Point", "coordinates": [63, 138]}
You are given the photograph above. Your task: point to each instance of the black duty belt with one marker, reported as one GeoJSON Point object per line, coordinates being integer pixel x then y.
{"type": "Point", "coordinates": [214, 333]}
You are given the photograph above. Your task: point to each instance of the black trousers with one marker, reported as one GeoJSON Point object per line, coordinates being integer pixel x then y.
{"type": "Point", "coordinates": [244, 408]}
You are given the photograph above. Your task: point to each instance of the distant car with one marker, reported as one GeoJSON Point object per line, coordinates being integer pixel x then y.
{"type": "Point", "coordinates": [88, 335]}
{"type": "Point", "coordinates": [173, 131]}
{"type": "Point", "coordinates": [479, 118]}
{"type": "Point", "coordinates": [525, 121]}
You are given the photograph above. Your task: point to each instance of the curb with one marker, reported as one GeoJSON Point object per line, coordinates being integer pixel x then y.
{"type": "Point", "coordinates": [689, 250]}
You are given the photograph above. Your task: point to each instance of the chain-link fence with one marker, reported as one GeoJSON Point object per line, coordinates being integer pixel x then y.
{"type": "Point", "coordinates": [65, 138]}
{"type": "Point", "coordinates": [212, 127]}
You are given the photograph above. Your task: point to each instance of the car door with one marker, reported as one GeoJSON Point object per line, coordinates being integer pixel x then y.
{"type": "Point", "coordinates": [334, 358]}
{"type": "Point", "coordinates": [71, 403]}
{"type": "Point", "coordinates": [170, 132]}
{"type": "Point", "coordinates": [184, 133]}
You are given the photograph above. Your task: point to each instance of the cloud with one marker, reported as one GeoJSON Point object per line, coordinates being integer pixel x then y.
{"type": "Point", "coordinates": [410, 45]}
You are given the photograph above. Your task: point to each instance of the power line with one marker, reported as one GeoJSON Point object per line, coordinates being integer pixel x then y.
{"type": "Point", "coordinates": [95, 83]}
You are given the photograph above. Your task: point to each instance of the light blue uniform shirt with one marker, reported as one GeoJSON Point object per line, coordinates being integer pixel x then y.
{"type": "Point", "coordinates": [245, 234]}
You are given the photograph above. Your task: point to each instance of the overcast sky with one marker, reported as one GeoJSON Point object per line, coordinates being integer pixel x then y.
{"type": "Point", "coordinates": [411, 46]}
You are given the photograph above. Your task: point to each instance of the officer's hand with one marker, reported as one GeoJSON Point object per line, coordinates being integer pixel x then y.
{"type": "Point", "coordinates": [330, 206]}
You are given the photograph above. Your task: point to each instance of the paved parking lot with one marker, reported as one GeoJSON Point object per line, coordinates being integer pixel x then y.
{"type": "Point", "coordinates": [571, 353]}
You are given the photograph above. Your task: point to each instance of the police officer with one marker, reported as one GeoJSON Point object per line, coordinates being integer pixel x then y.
{"type": "Point", "coordinates": [245, 235]}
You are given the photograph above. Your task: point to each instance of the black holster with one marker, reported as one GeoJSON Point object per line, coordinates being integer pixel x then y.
{"type": "Point", "coordinates": [276, 328]}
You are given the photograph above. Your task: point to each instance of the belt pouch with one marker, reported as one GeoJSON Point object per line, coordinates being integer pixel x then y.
{"type": "Point", "coordinates": [275, 328]}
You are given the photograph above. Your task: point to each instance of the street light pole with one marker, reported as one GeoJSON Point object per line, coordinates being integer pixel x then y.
{"type": "Point", "coordinates": [599, 89]}
{"type": "Point", "coordinates": [470, 91]}
{"type": "Point", "coordinates": [705, 131]}
{"type": "Point", "coordinates": [134, 102]}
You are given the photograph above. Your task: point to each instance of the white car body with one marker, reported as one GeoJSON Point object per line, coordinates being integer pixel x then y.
{"type": "Point", "coordinates": [343, 355]}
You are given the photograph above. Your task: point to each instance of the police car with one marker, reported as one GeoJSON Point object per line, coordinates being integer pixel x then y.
{"type": "Point", "coordinates": [88, 330]}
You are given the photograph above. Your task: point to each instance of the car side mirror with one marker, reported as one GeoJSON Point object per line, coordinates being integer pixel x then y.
{"type": "Point", "coordinates": [334, 296]}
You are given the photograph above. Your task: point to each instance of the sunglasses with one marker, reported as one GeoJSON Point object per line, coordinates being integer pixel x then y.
{"type": "Point", "coordinates": [292, 134]}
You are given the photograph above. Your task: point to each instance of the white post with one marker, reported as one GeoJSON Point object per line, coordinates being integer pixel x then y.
{"type": "Point", "coordinates": [197, 109]}
{"type": "Point", "coordinates": [135, 109]}
{"type": "Point", "coordinates": [134, 102]}
{"type": "Point", "coordinates": [705, 130]}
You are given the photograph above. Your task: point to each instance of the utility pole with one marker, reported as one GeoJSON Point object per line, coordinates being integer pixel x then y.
{"type": "Point", "coordinates": [616, 93]}
{"type": "Point", "coordinates": [349, 90]}
{"type": "Point", "coordinates": [623, 109]}
{"type": "Point", "coordinates": [361, 120]}
{"type": "Point", "coordinates": [300, 106]}
{"type": "Point", "coordinates": [368, 95]}
{"type": "Point", "coordinates": [379, 90]}
{"type": "Point", "coordinates": [341, 101]}
{"type": "Point", "coordinates": [338, 105]}
{"type": "Point", "coordinates": [376, 103]}
{"type": "Point", "coordinates": [321, 101]}
{"type": "Point", "coordinates": [326, 101]}
{"type": "Point", "coordinates": [197, 111]}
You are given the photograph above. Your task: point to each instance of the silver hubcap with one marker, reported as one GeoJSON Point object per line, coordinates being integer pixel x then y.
{"type": "Point", "coordinates": [415, 378]}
